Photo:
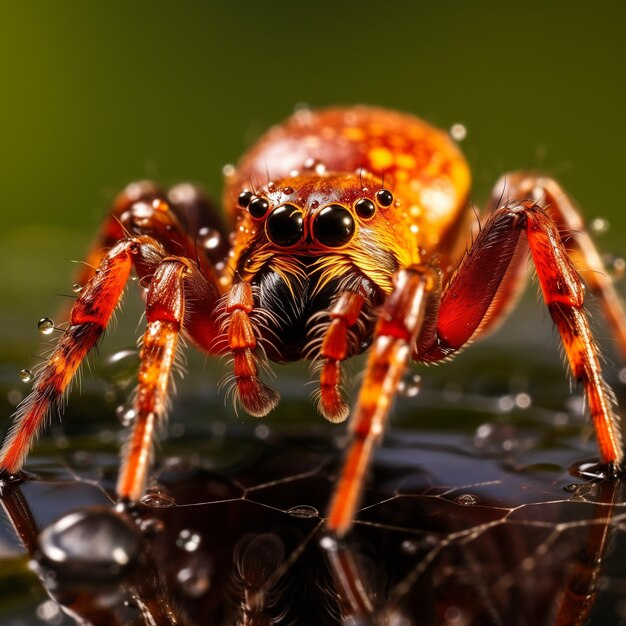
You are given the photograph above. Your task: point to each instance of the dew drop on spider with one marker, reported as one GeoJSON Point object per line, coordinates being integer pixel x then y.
{"type": "Point", "coordinates": [45, 325]}
{"type": "Point", "coordinates": [467, 499]}
{"type": "Point", "coordinates": [188, 540]}
{"type": "Point", "coordinates": [303, 511]}
{"type": "Point", "coordinates": [26, 376]}
{"type": "Point", "coordinates": [209, 238]}
{"type": "Point", "coordinates": [76, 288]}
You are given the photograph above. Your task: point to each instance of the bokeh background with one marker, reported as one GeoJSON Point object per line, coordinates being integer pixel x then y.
{"type": "Point", "coordinates": [95, 95]}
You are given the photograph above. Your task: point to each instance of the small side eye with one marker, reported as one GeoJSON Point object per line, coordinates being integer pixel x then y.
{"type": "Point", "coordinates": [258, 207]}
{"type": "Point", "coordinates": [384, 197]}
{"type": "Point", "coordinates": [244, 199]}
{"type": "Point", "coordinates": [365, 208]}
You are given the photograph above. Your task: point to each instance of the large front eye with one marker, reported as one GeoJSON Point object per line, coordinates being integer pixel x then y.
{"type": "Point", "coordinates": [285, 226]}
{"type": "Point", "coordinates": [333, 226]}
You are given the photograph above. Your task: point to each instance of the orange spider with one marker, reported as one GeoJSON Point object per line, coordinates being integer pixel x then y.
{"type": "Point", "coordinates": [351, 244]}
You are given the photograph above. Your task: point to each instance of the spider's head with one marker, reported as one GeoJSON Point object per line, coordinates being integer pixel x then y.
{"type": "Point", "coordinates": [326, 223]}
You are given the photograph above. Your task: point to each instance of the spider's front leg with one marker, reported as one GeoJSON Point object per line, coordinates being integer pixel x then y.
{"type": "Point", "coordinates": [407, 313]}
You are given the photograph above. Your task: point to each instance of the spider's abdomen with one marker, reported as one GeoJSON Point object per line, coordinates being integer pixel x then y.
{"type": "Point", "coordinates": [420, 164]}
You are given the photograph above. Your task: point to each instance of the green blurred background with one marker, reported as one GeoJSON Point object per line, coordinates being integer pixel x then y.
{"type": "Point", "coordinates": [94, 95]}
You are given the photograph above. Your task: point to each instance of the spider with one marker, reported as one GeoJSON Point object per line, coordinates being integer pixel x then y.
{"type": "Point", "coordinates": [346, 227]}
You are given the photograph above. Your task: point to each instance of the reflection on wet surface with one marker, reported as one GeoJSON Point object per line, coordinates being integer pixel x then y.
{"type": "Point", "coordinates": [480, 517]}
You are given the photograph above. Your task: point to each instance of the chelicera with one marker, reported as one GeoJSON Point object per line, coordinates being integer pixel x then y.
{"type": "Point", "coordinates": [350, 231]}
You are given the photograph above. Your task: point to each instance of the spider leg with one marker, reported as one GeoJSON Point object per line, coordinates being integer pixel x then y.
{"type": "Point", "coordinates": [165, 310]}
{"type": "Point", "coordinates": [256, 397]}
{"type": "Point", "coordinates": [88, 319]}
{"type": "Point", "coordinates": [484, 283]}
{"type": "Point", "coordinates": [343, 315]}
{"type": "Point", "coordinates": [180, 299]}
{"type": "Point", "coordinates": [399, 324]}
{"type": "Point", "coordinates": [548, 194]}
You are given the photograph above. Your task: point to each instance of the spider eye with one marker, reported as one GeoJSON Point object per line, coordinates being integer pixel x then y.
{"type": "Point", "coordinates": [258, 207]}
{"type": "Point", "coordinates": [384, 197]}
{"type": "Point", "coordinates": [365, 208]}
{"type": "Point", "coordinates": [333, 226]}
{"type": "Point", "coordinates": [244, 199]}
{"type": "Point", "coordinates": [285, 226]}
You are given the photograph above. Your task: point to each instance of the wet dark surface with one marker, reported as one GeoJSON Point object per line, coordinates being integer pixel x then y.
{"type": "Point", "coordinates": [475, 517]}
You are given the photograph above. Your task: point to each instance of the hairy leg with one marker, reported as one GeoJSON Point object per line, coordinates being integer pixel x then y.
{"type": "Point", "coordinates": [486, 276]}
{"type": "Point", "coordinates": [399, 324]}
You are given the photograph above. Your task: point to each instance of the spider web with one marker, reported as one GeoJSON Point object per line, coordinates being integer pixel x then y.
{"type": "Point", "coordinates": [473, 513]}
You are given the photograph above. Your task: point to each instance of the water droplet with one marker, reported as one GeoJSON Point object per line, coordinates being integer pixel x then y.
{"type": "Point", "coordinates": [14, 397]}
{"type": "Point", "coordinates": [329, 544]}
{"type": "Point", "coordinates": [523, 400]}
{"type": "Point", "coordinates": [26, 376]}
{"type": "Point", "coordinates": [599, 225]}
{"type": "Point", "coordinates": [188, 540]}
{"type": "Point", "coordinates": [410, 546]}
{"type": "Point", "coordinates": [93, 544]}
{"type": "Point", "coordinates": [615, 265]}
{"type": "Point", "coordinates": [410, 386]}
{"type": "Point", "coordinates": [120, 368]}
{"type": "Point", "coordinates": [496, 438]}
{"type": "Point", "coordinates": [228, 170]}
{"type": "Point", "coordinates": [304, 511]}
{"type": "Point", "coordinates": [288, 191]}
{"type": "Point", "coordinates": [302, 114]}
{"type": "Point", "coordinates": [151, 526]}
{"type": "Point", "coordinates": [571, 488]}
{"type": "Point", "coordinates": [209, 238]}
{"type": "Point", "coordinates": [591, 469]}
{"type": "Point", "coordinates": [458, 132]}
{"type": "Point", "coordinates": [506, 403]}
{"type": "Point", "coordinates": [45, 325]}
{"type": "Point", "coordinates": [262, 431]}
{"type": "Point", "coordinates": [50, 612]}
{"type": "Point", "coordinates": [76, 288]}
{"type": "Point", "coordinates": [126, 414]}
{"type": "Point", "coordinates": [158, 498]}
{"type": "Point", "coordinates": [194, 581]}
{"type": "Point", "coordinates": [467, 499]}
